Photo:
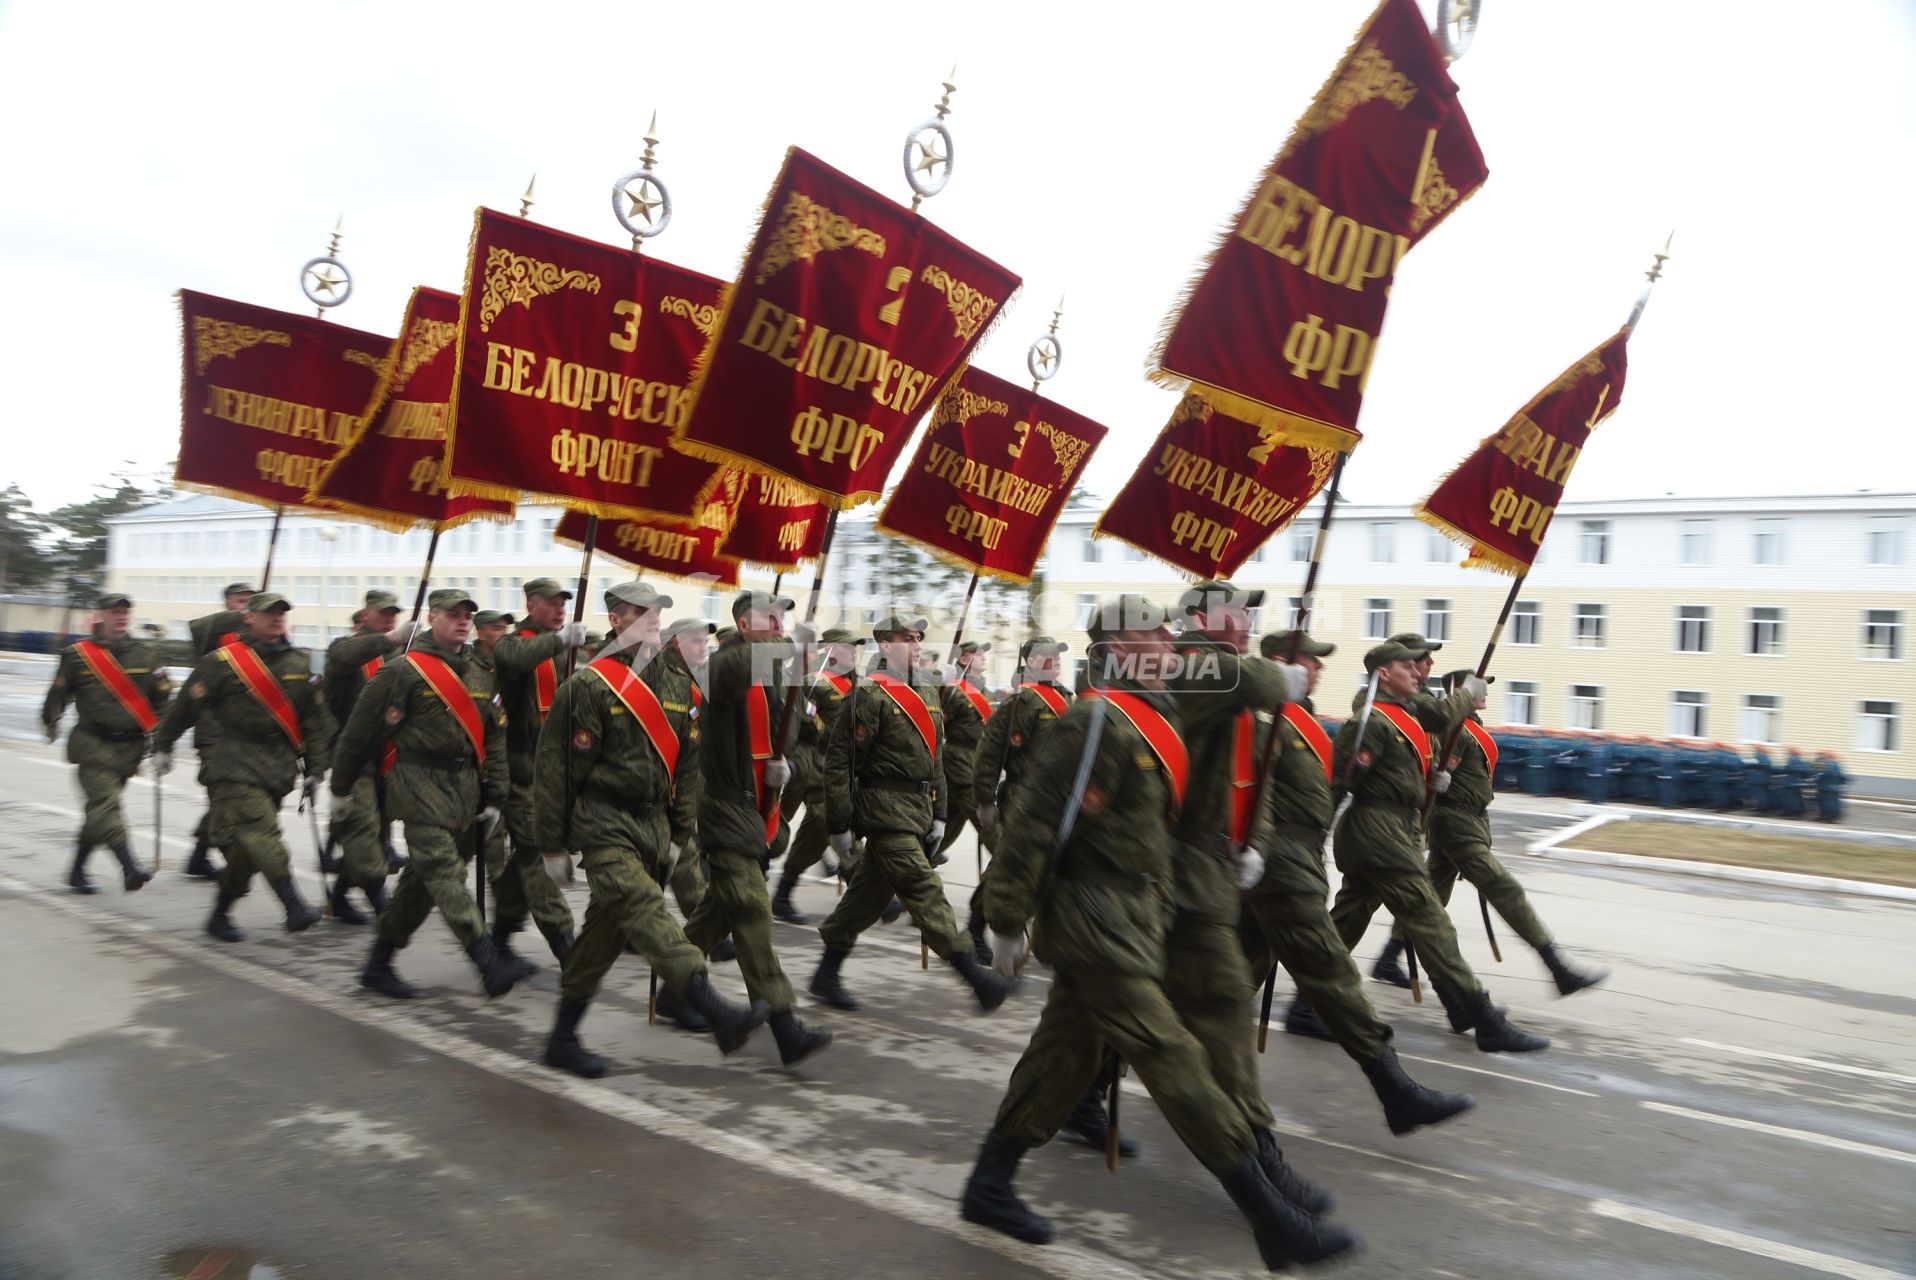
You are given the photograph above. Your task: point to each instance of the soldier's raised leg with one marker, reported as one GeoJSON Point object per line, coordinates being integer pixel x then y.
{"type": "Point", "coordinates": [246, 828]}
{"type": "Point", "coordinates": [434, 876]}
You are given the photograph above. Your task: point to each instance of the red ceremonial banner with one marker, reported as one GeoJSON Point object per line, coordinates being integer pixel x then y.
{"type": "Point", "coordinates": [390, 471]}
{"type": "Point", "coordinates": [676, 550]}
{"type": "Point", "coordinates": [573, 360]}
{"type": "Point", "coordinates": [1499, 500]}
{"type": "Point", "coordinates": [1280, 327]}
{"type": "Point", "coordinates": [991, 476]}
{"type": "Point", "coordinates": [1212, 489]}
{"type": "Point", "coordinates": [777, 523]}
{"type": "Point", "coordinates": [849, 317]}
{"type": "Point", "coordinates": [267, 397]}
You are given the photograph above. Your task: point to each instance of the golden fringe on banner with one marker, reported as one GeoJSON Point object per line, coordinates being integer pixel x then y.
{"type": "Point", "coordinates": [1099, 531]}
{"type": "Point", "coordinates": [953, 559]}
{"type": "Point", "coordinates": [578, 545]}
{"type": "Point", "coordinates": [398, 522]}
{"type": "Point", "coordinates": [1478, 556]}
{"type": "Point", "coordinates": [237, 495]}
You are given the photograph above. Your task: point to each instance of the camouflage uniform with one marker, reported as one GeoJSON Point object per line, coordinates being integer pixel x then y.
{"type": "Point", "coordinates": [208, 631]}
{"type": "Point", "coordinates": [107, 743]}
{"type": "Point", "coordinates": [522, 886]}
{"type": "Point", "coordinates": [825, 698]}
{"type": "Point", "coordinates": [361, 831]}
{"type": "Point", "coordinates": [669, 677]}
{"type": "Point", "coordinates": [252, 764]}
{"type": "Point", "coordinates": [1009, 737]}
{"type": "Point", "coordinates": [437, 787]}
{"type": "Point", "coordinates": [964, 732]}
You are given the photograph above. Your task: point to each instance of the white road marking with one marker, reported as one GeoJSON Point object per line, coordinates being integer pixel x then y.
{"type": "Point", "coordinates": [1308, 1134]}
{"type": "Point", "coordinates": [1828, 1263]}
{"type": "Point", "coordinates": [1570, 832]}
{"type": "Point", "coordinates": [1778, 1131]}
{"type": "Point", "coordinates": [1501, 1075]}
{"type": "Point", "coordinates": [934, 1215]}
{"type": "Point", "coordinates": [1818, 1063]}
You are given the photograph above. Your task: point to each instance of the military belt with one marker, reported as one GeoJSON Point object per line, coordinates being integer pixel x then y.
{"type": "Point", "coordinates": [617, 799]}
{"type": "Point", "coordinates": [896, 784]}
{"type": "Point", "coordinates": [116, 735]}
{"type": "Point", "coordinates": [430, 760]}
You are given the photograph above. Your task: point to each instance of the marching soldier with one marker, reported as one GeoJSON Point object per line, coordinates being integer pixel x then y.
{"type": "Point", "coordinates": [1286, 911]}
{"type": "Point", "coordinates": [489, 627]}
{"type": "Point", "coordinates": [1094, 875]}
{"type": "Point", "coordinates": [209, 632]}
{"type": "Point", "coordinates": [438, 709]}
{"type": "Point", "coordinates": [967, 712]}
{"type": "Point", "coordinates": [1039, 700]}
{"type": "Point", "coordinates": [526, 661]}
{"type": "Point", "coordinates": [1381, 758]}
{"type": "Point", "coordinates": [883, 780]}
{"type": "Point", "coordinates": [738, 815]}
{"type": "Point", "coordinates": [361, 832]}
{"type": "Point", "coordinates": [606, 760]}
{"type": "Point", "coordinates": [119, 689]}
{"type": "Point", "coordinates": [271, 725]}
{"type": "Point", "coordinates": [825, 692]}
{"type": "Point", "coordinates": [1460, 845]}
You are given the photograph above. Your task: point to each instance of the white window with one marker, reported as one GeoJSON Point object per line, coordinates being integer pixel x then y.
{"type": "Point", "coordinates": [1693, 628]}
{"type": "Point", "coordinates": [1594, 546]}
{"type": "Point", "coordinates": [1383, 543]}
{"type": "Point", "coordinates": [1301, 540]}
{"type": "Point", "coordinates": [1437, 548]}
{"type": "Point", "coordinates": [340, 591]}
{"type": "Point", "coordinates": [306, 590]}
{"type": "Point", "coordinates": [1087, 605]}
{"type": "Point", "coordinates": [1587, 627]}
{"type": "Point", "coordinates": [1766, 630]}
{"type": "Point", "coordinates": [1526, 623]}
{"type": "Point", "coordinates": [1293, 612]}
{"type": "Point", "coordinates": [1686, 713]}
{"type": "Point", "coordinates": [1769, 541]}
{"type": "Point", "coordinates": [1520, 705]}
{"type": "Point", "coordinates": [496, 594]}
{"type": "Point", "coordinates": [1257, 617]}
{"type": "Point", "coordinates": [1437, 620]}
{"type": "Point", "coordinates": [1694, 542]}
{"type": "Point", "coordinates": [1885, 539]}
{"type": "Point", "coordinates": [1883, 634]}
{"type": "Point", "coordinates": [1376, 618]}
{"type": "Point", "coordinates": [1763, 718]}
{"type": "Point", "coordinates": [1092, 552]}
{"type": "Point", "coordinates": [1586, 706]}
{"type": "Point", "coordinates": [306, 637]}
{"type": "Point", "coordinates": [1876, 728]}
{"type": "Point", "coordinates": [162, 588]}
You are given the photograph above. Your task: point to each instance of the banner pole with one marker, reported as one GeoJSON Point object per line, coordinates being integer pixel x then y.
{"type": "Point", "coordinates": [804, 652]}
{"type": "Point", "coordinates": [964, 612]}
{"type": "Point", "coordinates": [425, 580]}
{"type": "Point", "coordinates": [578, 597]}
{"type": "Point", "coordinates": [1483, 669]}
{"type": "Point", "coordinates": [272, 544]}
{"type": "Point", "coordinates": [1269, 753]}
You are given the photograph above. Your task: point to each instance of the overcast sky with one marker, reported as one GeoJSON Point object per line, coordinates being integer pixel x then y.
{"type": "Point", "coordinates": [151, 147]}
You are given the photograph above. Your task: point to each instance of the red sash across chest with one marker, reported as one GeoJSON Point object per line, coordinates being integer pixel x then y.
{"type": "Point", "coordinates": [1312, 732]}
{"type": "Point", "coordinates": [545, 677]}
{"type": "Point", "coordinates": [1408, 726]}
{"type": "Point", "coordinates": [107, 670]}
{"type": "Point", "coordinates": [1484, 741]}
{"type": "Point", "coordinates": [979, 702]}
{"type": "Point", "coordinates": [389, 754]}
{"type": "Point", "coordinates": [1157, 732]}
{"type": "Point", "coordinates": [452, 691]}
{"type": "Point", "coordinates": [1047, 695]}
{"type": "Point", "coordinates": [913, 706]}
{"type": "Point", "coordinates": [644, 706]}
{"type": "Point", "coordinates": [758, 729]}
{"type": "Point", "coordinates": [259, 682]}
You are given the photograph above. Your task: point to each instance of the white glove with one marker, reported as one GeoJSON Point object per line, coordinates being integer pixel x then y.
{"type": "Point", "coordinates": [53, 732]}
{"type": "Point", "coordinates": [987, 820]}
{"type": "Point", "coordinates": [1008, 955]}
{"type": "Point", "coordinates": [559, 868]}
{"type": "Point", "coordinates": [343, 804]}
{"type": "Point", "coordinates": [777, 774]}
{"type": "Point", "coordinates": [401, 635]}
{"type": "Point", "coordinates": [489, 818]}
{"type": "Point", "coordinates": [1475, 686]}
{"type": "Point", "coordinates": [672, 852]}
{"type": "Point", "coordinates": [840, 842]}
{"type": "Point", "coordinates": [571, 635]}
{"type": "Point", "coordinates": [162, 763]}
{"type": "Point", "coordinates": [1442, 781]}
{"type": "Point", "coordinates": [937, 836]}
{"type": "Point", "coordinates": [1297, 681]}
{"type": "Point", "coordinates": [310, 788]}
{"type": "Point", "coordinates": [1250, 868]}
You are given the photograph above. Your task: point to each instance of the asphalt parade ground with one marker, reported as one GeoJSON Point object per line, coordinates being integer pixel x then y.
{"type": "Point", "coordinates": [1739, 1100]}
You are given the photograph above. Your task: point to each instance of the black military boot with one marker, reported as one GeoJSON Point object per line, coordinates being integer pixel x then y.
{"type": "Point", "coordinates": [561, 945]}
{"type": "Point", "coordinates": [77, 879]}
{"type": "Point", "coordinates": [1407, 1104]}
{"type": "Point", "coordinates": [1285, 1233]}
{"type": "Point", "coordinates": [376, 896]}
{"type": "Point", "coordinates": [990, 989]}
{"type": "Point", "coordinates": [379, 974]}
{"type": "Point", "coordinates": [989, 1200]}
{"type": "Point", "coordinates": [563, 1049]}
{"type": "Point", "coordinates": [344, 912]}
{"type": "Point", "coordinates": [219, 925]}
{"type": "Point", "coordinates": [1387, 968]}
{"type": "Point", "coordinates": [496, 973]}
{"type": "Point", "coordinates": [782, 908]}
{"type": "Point", "coordinates": [1456, 1008]}
{"type": "Point", "coordinates": [980, 941]}
{"type": "Point", "coordinates": [724, 951]}
{"type": "Point", "coordinates": [1287, 1181]}
{"type": "Point", "coordinates": [825, 984]}
{"type": "Point", "coordinates": [1496, 1033]}
{"type": "Point", "coordinates": [298, 914]}
{"type": "Point", "coordinates": [1302, 1020]}
{"type": "Point", "coordinates": [892, 911]}
{"type": "Point", "coordinates": [502, 931]}
{"type": "Point", "coordinates": [395, 863]}
{"type": "Point", "coordinates": [1090, 1125]}
{"type": "Point", "coordinates": [198, 865]}
{"type": "Point", "coordinates": [132, 874]}
{"type": "Point", "coordinates": [796, 1041]}
{"type": "Point", "coordinates": [732, 1023]}
{"type": "Point", "coordinates": [1570, 979]}
{"type": "Point", "coordinates": [680, 1014]}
